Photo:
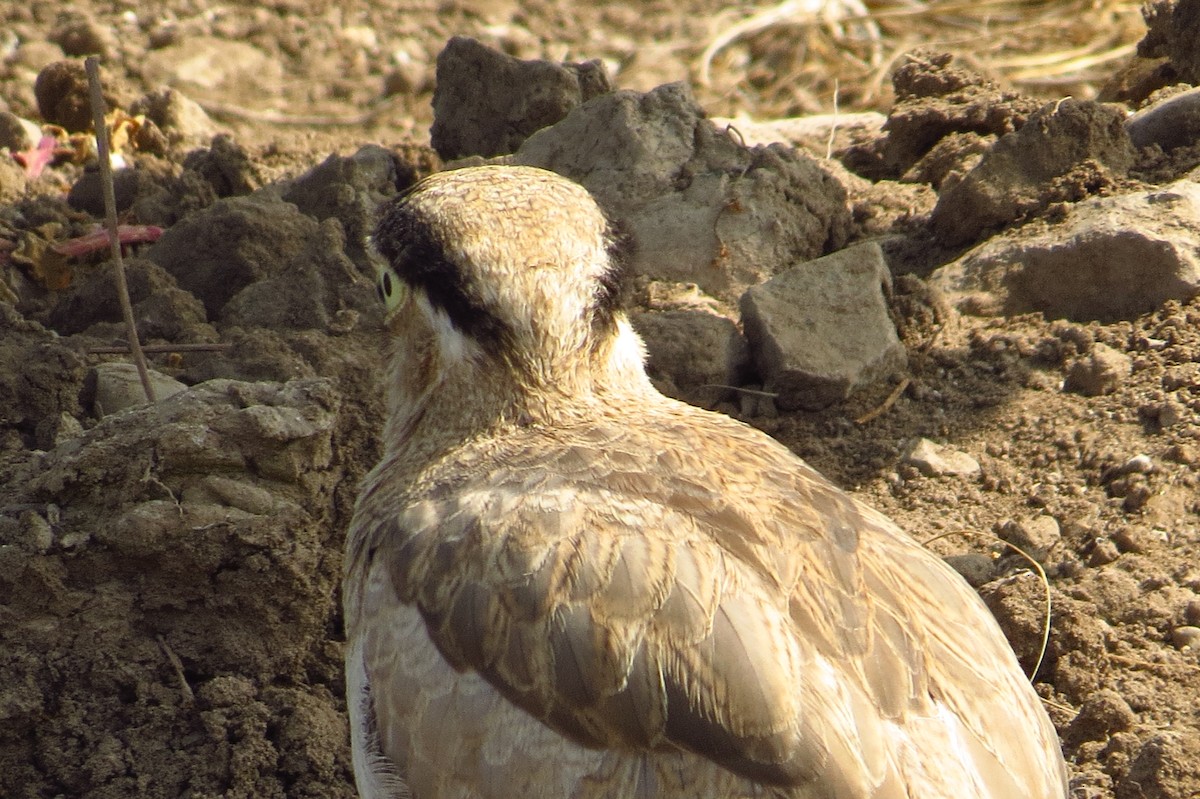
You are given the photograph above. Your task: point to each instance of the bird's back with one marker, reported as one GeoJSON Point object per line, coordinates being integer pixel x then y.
{"type": "Point", "coordinates": [656, 600]}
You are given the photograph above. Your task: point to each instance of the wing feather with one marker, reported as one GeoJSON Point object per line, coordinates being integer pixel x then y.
{"type": "Point", "coordinates": [639, 599]}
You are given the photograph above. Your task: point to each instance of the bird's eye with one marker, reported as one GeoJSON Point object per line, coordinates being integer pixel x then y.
{"type": "Point", "coordinates": [391, 289]}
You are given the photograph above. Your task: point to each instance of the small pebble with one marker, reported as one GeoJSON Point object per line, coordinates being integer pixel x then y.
{"type": "Point", "coordinates": [1186, 637]}
{"type": "Point", "coordinates": [1192, 612]}
{"type": "Point", "coordinates": [1036, 535]}
{"type": "Point", "coordinates": [1138, 464]}
{"type": "Point", "coordinates": [1100, 372]}
{"type": "Point", "coordinates": [1103, 553]}
{"type": "Point", "coordinates": [934, 460]}
{"type": "Point", "coordinates": [975, 567]}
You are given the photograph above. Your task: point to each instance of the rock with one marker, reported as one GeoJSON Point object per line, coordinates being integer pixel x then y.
{"type": "Point", "coordinates": [821, 330]}
{"type": "Point", "coordinates": [935, 460]}
{"type": "Point", "coordinates": [1191, 612]}
{"type": "Point", "coordinates": [226, 166]}
{"type": "Point", "coordinates": [1173, 28]}
{"type": "Point", "coordinates": [181, 119]}
{"type": "Point", "coordinates": [258, 262]}
{"type": "Point", "coordinates": [488, 103]}
{"type": "Point", "coordinates": [936, 98]}
{"type": "Point", "coordinates": [129, 183]}
{"type": "Point", "coordinates": [975, 567]}
{"type": "Point", "coordinates": [1164, 767]}
{"type": "Point", "coordinates": [351, 189]}
{"type": "Point", "coordinates": [1102, 371]}
{"type": "Point", "coordinates": [1170, 123]}
{"type": "Point", "coordinates": [693, 352]}
{"type": "Point", "coordinates": [1024, 170]}
{"type": "Point", "coordinates": [193, 552]}
{"type": "Point", "coordinates": [1103, 553]}
{"type": "Point", "coordinates": [1138, 464]}
{"type": "Point", "coordinates": [948, 161]}
{"type": "Point", "coordinates": [80, 35]}
{"type": "Point", "coordinates": [115, 387]}
{"type": "Point", "coordinates": [13, 181]}
{"type": "Point", "coordinates": [1186, 637]}
{"type": "Point", "coordinates": [1036, 536]}
{"type": "Point", "coordinates": [1139, 539]}
{"type": "Point", "coordinates": [17, 133]}
{"type": "Point", "coordinates": [62, 95]}
{"type": "Point", "coordinates": [700, 207]}
{"type": "Point", "coordinates": [1112, 258]}
{"type": "Point", "coordinates": [40, 377]}
{"type": "Point", "coordinates": [1102, 714]}
{"type": "Point", "coordinates": [54, 430]}
{"type": "Point", "coordinates": [160, 309]}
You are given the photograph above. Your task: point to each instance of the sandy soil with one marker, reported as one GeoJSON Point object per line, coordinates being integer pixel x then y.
{"type": "Point", "coordinates": [169, 576]}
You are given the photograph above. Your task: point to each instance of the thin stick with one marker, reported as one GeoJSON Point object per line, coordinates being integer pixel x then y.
{"type": "Point", "coordinates": [177, 666]}
{"type": "Point", "coordinates": [1041, 574]}
{"type": "Point", "coordinates": [154, 348]}
{"type": "Point", "coordinates": [887, 403]}
{"type": "Point", "coordinates": [92, 65]}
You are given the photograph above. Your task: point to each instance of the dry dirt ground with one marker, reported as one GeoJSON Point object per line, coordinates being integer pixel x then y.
{"type": "Point", "coordinates": [168, 576]}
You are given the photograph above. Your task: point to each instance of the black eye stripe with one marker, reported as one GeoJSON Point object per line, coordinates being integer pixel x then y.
{"type": "Point", "coordinates": [408, 242]}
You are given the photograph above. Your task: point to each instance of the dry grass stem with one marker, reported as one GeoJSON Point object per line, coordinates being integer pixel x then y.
{"type": "Point", "coordinates": [157, 348]}
{"type": "Point", "coordinates": [92, 65]}
{"type": "Point", "coordinates": [1037, 567]}
{"type": "Point", "coordinates": [798, 49]}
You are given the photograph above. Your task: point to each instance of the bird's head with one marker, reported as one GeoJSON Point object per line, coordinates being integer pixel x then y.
{"type": "Point", "coordinates": [506, 272]}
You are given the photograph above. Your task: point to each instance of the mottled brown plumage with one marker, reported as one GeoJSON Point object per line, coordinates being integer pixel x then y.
{"type": "Point", "coordinates": [560, 583]}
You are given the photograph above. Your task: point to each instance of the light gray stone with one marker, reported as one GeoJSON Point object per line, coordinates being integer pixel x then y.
{"type": "Point", "coordinates": [1112, 258]}
{"type": "Point", "coordinates": [935, 460]}
{"type": "Point", "coordinates": [118, 387]}
{"type": "Point", "coordinates": [1036, 536]}
{"type": "Point", "coordinates": [700, 206]}
{"type": "Point", "coordinates": [821, 330]}
{"type": "Point", "coordinates": [697, 355]}
{"type": "Point", "coordinates": [1170, 123]}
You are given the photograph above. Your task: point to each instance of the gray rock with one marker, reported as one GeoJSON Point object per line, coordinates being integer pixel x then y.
{"type": "Point", "coordinates": [1099, 372]}
{"type": "Point", "coordinates": [1036, 536]}
{"type": "Point", "coordinates": [975, 567]}
{"type": "Point", "coordinates": [935, 460]}
{"type": "Point", "coordinates": [161, 309]}
{"type": "Point", "coordinates": [1170, 123]}
{"type": "Point", "coordinates": [821, 330]}
{"type": "Point", "coordinates": [700, 206]}
{"type": "Point", "coordinates": [180, 118]}
{"type": "Point", "coordinates": [350, 189]}
{"type": "Point", "coordinates": [1112, 258]}
{"type": "Point", "coordinates": [118, 387]}
{"type": "Point", "coordinates": [259, 262]}
{"type": "Point", "coordinates": [488, 103]}
{"type": "Point", "coordinates": [1015, 176]}
{"type": "Point", "coordinates": [692, 352]}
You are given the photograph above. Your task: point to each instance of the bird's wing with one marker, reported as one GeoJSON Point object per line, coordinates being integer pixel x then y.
{"type": "Point", "coordinates": [641, 598]}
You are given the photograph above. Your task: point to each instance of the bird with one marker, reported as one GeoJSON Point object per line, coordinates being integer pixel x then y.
{"type": "Point", "coordinates": [561, 584]}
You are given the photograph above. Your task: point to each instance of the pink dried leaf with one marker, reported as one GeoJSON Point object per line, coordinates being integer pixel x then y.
{"type": "Point", "coordinates": [37, 158]}
{"type": "Point", "coordinates": [97, 240]}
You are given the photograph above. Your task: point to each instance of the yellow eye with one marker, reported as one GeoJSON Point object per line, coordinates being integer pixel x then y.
{"type": "Point", "coordinates": [391, 289]}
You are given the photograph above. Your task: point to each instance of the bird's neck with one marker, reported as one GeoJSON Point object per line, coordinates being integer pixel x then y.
{"type": "Point", "coordinates": [438, 403]}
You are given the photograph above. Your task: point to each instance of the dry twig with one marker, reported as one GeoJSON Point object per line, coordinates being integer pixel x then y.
{"type": "Point", "coordinates": [92, 65]}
